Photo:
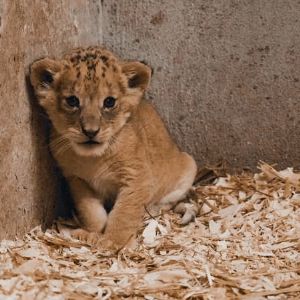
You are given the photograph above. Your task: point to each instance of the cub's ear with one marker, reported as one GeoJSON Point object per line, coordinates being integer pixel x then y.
{"type": "Point", "coordinates": [138, 75]}
{"type": "Point", "coordinates": [43, 73]}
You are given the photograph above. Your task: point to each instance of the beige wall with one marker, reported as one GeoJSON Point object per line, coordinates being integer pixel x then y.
{"type": "Point", "coordinates": [226, 73]}
{"type": "Point", "coordinates": [226, 81]}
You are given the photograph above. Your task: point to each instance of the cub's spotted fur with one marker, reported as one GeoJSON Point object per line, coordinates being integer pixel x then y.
{"type": "Point", "coordinates": [109, 142]}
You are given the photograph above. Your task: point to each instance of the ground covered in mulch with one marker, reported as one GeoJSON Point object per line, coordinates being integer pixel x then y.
{"type": "Point", "coordinates": [243, 244]}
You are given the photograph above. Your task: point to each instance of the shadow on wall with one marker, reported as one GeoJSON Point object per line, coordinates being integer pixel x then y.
{"type": "Point", "coordinates": [40, 129]}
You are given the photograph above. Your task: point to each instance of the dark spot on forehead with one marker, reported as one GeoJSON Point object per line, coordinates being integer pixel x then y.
{"type": "Point", "coordinates": [75, 59]}
{"type": "Point", "coordinates": [93, 55]}
{"type": "Point", "coordinates": [103, 71]}
{"type": "Point", "coordinates": [91, 66]}
{"type": "Point", "coordinates": [88, 76]}
{"type": "Point", "coordinates": [104, 58]}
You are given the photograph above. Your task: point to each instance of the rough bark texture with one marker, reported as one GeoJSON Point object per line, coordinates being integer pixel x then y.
{"type": "Point", "coordinates": [30, 29]}
{"type": "Point", "coordinates": [226, 73]}
{"type": "Point", "coordinates": [226, 81]}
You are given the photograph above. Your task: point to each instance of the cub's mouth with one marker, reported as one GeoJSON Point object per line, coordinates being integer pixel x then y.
{"type": "Point", "coordinates": [89, 148]}
{"type": "Point", "coordinates": [90, 142]}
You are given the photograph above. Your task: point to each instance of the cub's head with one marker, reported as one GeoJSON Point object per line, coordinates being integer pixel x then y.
{"type": "Point", "coordinates": [89, 96]}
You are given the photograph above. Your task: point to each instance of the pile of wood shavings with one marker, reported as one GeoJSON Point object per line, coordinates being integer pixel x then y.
{"type": "Point", "coordinates": [243, 245]}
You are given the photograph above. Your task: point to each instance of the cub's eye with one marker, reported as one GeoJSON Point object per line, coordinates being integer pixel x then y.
{"type": "Point", "coordinates": [72, 101]}
{"type": "Point", "coordinates": [109, 102]}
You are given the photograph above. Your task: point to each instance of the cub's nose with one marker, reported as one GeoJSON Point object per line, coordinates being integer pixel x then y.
{"type": "Point", "coordinates": [90, 133]}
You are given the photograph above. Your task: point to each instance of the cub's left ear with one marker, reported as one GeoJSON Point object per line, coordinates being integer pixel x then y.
{"type": "Point", "coordinates": [43, 73]}
{"type": "Point", "coordinates": [138, 75]}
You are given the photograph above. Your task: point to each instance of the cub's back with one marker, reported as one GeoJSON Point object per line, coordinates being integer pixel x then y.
{"type": "Point", "coordinates": [154, 133]}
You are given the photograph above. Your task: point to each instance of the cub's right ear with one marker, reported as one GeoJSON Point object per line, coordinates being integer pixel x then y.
{"type": "Point", "coordinates": [43, 73]}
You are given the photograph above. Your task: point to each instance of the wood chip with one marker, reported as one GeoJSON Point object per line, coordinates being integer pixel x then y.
{"type": "Point", "coordinates": [243, 244]}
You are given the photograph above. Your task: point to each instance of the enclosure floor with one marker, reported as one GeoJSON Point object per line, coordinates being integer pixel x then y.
{"type": "Point", "coordinates": [244, 244]}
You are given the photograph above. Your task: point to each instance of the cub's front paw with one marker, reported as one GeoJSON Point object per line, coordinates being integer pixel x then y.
{"type": "Point", "coordinates": [107, 244]}
{"type": "Point", "coordinates": [91, 238]}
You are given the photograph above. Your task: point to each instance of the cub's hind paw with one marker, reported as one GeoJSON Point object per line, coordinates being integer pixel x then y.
{"type": "Point", "coordinates": [91, 238]}
{"type": "Point", "coordinates": [188, 211]}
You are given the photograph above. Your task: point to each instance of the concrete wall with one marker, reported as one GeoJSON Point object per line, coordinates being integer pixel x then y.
{"type": "Point", "coordinates": [28, 30]}
{"type": "Point", "coordinates": [226, 81]}
{"type": "Point", "coordinates": [226, 73]}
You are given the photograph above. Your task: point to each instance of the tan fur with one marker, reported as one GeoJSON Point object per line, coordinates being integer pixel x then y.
{"type": "Point", "coordinates": [135, 163]}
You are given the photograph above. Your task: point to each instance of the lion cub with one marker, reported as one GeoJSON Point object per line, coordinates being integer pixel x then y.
{"type": "Point", "coordinates": [109, 142]}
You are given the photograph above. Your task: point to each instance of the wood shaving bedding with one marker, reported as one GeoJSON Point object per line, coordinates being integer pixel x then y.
{"type": "Point", "coordinates": [243, 244]}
